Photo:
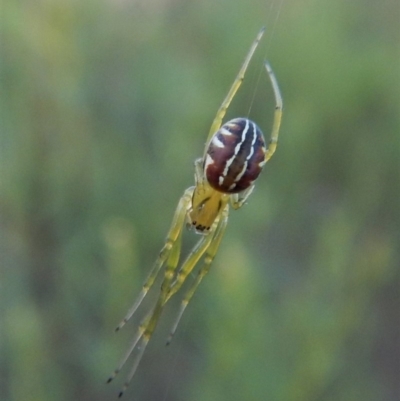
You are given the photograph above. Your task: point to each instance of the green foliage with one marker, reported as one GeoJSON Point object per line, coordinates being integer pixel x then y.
{"type": "Point", "coordinates": [104, 107]}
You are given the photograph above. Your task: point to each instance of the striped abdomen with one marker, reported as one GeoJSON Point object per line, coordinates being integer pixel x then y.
{"type": "Point", "coordinates": [235, 156]}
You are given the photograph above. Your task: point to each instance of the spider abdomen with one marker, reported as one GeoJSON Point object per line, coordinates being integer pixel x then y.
{"type": "Point", "coordinates": [235, 156]}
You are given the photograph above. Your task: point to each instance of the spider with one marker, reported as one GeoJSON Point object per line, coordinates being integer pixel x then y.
{"type": "Point", "coordinates": [234, 156]}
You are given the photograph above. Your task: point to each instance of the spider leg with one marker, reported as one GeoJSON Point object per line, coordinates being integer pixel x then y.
{"type": "Point", "coordinates": [209, 257]}
{"type": "Point", "coordinates": [135, 340]}
{"type": "Point", "coordinates": [191, 261]}
{"type": "Point", "coordinates": [152, 317]}
{"type": "Point", "coordinates": [148, 325]}
{"type": "Point", "coordinates": [277, 115]}
{"type": "Point", "coordinates": [238, 200]}
{"type": "Point", "coordinates": [134, 368]}
{"type": "Point", "coordinates": [235, 86]}
{"type": "Point", "coordinates": [141, 340]}
{"type": "Point", "coordinates": [173, 234]}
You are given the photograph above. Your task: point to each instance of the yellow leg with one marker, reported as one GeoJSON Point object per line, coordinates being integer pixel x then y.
{"type": "Point", "coordinates": [149, 323]}
{"type": "Point", "coordinates": [235, 86]}
{"type": "Point", "coordinates": [191, 261]}
{"type": "Point", "coordinates": [142, 348]}
{"type": "Point", "coordinates": [173, 235]}
{"type": "Point", "coordinates": [141, 340]}
{"type": "Point", "coordinates": [238, 200]}
{"type": "Point", "coordinates": [210, 254]}
{"type": "Point", "coordinates": [152, 318]}
{"type": "Point", "coordinates": [277, 116]}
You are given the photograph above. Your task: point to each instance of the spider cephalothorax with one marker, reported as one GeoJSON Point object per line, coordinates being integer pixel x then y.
{"type": "Point", "coordinates": [233, 158]}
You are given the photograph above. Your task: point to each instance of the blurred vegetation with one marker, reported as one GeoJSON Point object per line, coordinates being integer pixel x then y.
{"type": "Point", "coordinates": [104, 107]}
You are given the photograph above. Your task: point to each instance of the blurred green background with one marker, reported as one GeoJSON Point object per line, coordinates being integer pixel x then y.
{"type": "Point", "coordinates": [104, 107]}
